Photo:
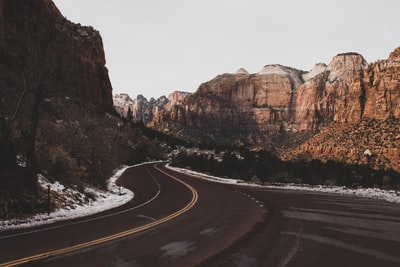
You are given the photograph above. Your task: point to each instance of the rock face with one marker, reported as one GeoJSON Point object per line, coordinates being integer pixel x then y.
{"type": "Point", "coordinates": [37, 41]}
{"type": "Point", "coordinates": [334, 94]}
{"type": "Point", "coordinates": [280, 103]}
{"type": "Point", "coordinates": [279, 108]}
{"type": "Point", "coordinates": [121, 103]}
{"type": "Point", "coordinates": [54, 99]}
{"type": "Point", "coordinates": [371, 142]}
{"type": "Point", "coordinates": [143, 110]}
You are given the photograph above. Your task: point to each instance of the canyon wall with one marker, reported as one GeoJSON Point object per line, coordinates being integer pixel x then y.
{"type": "Point", "coordinates": [39, 45]}
{"type": "Point", "coordinates": [283, 100]}
{"type": "Point", "coordinates": [280, 108]}
{"type": "Point", "coordinates": [56, 108]}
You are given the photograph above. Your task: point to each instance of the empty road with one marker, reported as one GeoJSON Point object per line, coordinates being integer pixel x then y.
{"type": "Point", "coordinates": [178, 220]}
{"type": "Point", "coordinates": [319, 229]}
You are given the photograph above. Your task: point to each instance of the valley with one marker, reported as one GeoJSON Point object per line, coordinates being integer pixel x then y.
{"type": "Point", "coordinates": [282, 167]}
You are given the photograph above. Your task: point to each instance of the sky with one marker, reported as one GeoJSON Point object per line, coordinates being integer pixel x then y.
{"type": "Point", "coordinates": [155, 47]}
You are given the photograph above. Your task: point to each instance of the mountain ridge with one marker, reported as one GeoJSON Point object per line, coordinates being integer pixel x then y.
{"type": "Point", "coordinates": [282, 105]}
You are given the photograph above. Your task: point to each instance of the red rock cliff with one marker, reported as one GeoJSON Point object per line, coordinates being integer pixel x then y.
{"type": "Point", "coordinates": [280, 100]}
{"type": "Point", "coordinates": [36, 40]}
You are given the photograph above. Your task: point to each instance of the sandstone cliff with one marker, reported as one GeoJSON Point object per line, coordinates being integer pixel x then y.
{"type": "Point", "coordinates": [55, 101]}
{"type": "Point", "coordinates": [364, 128]}
{"type": "Point", "coordinates": [56, 109]}
{"type": "Point", "coordinates": [280, 104]}
{"type": "Point", "coordinates": [142, 110]}
{"type": "Point", "coordinates": [371, 142]}
{"type": "Point", "coordinates": [37, 41]}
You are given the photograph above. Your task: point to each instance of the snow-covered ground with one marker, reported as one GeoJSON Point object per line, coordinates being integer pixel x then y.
{"type": "Point", "coordinates": [102, 200]}
{"type": "Point", "coordinates": [376, 193]}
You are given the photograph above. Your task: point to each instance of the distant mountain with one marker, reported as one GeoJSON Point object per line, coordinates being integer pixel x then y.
{"type": "Point", "coordinates": [143, 110]}
{"type": "Point", "coordinates": [280, 108]}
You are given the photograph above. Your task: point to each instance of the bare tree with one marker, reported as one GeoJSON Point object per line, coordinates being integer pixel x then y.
{"type": "Point", "coordinates": [7, 151]}
{"type": "Point", "coordinates": [36, 64]}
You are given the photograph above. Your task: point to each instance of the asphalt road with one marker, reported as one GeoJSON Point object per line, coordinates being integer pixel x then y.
{"type": "Point", "coordinates": [319, 229]}
{"type": "Point", "coordinates": [210, 219]}
{"type": "Point", "coordinates": [176, 220]}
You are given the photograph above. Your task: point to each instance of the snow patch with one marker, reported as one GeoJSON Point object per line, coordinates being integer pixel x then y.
{"type": "Point", "coordinates": [273, 69]}
{"type": "Point", "coordinates": [294, 74]}
{"type": "Point", "coordinates": [121, 100]}
{"type": "Point", "coordinates": [241, 71]}
{"type": "Point", "coordinates": [374, 193]}
{"type": "Point", "coordinates": [205, 176]}
{"type": "Point", "coordinates": [318, 69]}
{"type": "Point", "coordinates": [209, 232]}
{"type": "Point", "coordinates": [102, 200]}
{"type": "Point", "coordinates": [177, 249]}
{"type": "Point", "coordinates": [21, 161]}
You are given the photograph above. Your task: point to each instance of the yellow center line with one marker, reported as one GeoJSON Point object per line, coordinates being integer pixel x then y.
{"type": "Point", "coordinates": [115, 236]}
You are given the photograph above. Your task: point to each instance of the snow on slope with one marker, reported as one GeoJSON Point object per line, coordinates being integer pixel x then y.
{"type": "Point", "coordinates": [273, 69]}
{"type": "Point", "coordinates": [241, 71]}
{"type": "Point", "coordinates": [114, 197]}
{"type": "Point", "coordinates": [121, 100]}
{"type": "Point", "coordinates": [280, 70]}
{"type": "Point", "coordinates": [375, 193]}
{"type": "Point", "coordinates": [318, 69]}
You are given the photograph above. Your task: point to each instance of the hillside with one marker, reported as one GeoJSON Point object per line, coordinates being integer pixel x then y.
{"type": "Point", "coordinates": [56, 109]}
{"type": "Point", "coordinates": [280, 108]}
{"type": "Point", "coordinates": [371, 142]}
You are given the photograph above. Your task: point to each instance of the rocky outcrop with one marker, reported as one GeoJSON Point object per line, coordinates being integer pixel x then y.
{"type": "Point", "coordinates": [142, 110]}
{"type": "Point", "coordinates": [122, 103]}
{"type": "Point", "coordinates": [278, 103]}
{"type": "Point", "coordinates": [381, 95]}
{"type": "Point", "coordinates": [38, 43]}
{"type": "Point", "coordinates": [55, 100]}
{"type": "Point", "coordinates": [333, 93]}
{"type": "Point", "coordinates": [370, 142]}
{"type": "Point", "coordinates": [241, 107]}
{"type": "Point", "coordinates": [366, 113]}
{"type": "Point", "coordinates": [251, 106]}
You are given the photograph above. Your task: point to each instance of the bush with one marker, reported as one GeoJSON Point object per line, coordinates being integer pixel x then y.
{"type": "Point", "coordinates": [264, 167]}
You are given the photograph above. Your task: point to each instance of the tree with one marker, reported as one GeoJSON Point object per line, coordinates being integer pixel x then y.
{"type": "Point", "coordinates": [129, 115]}
{"type": "Point", "coordinates": [33, 69]}
{"type": "Point", "coordinates": [7, 153]}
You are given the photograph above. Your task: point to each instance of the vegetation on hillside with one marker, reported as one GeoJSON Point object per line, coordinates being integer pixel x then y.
{"type": "Point", "coordinates": [75, 145]}
{"type": "Point", "coordinates": [371, 142]}
{"type": "Point", "coordinates": [264, 167]}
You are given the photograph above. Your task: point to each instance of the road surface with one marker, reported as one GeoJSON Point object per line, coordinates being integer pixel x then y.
{"type": "Point", "coordinates": [319, 229]}
{"type": "Point", "coordinates": [202, 227]}
{"type": "Point", "coordinates": [177, 220]}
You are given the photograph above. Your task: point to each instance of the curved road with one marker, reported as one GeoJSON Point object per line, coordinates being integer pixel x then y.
{"type": "Point", "coordinates": [178, 220]}
{"type": "Point", "coordinates": [201, 228]}
{"type": "Point", "coordinates": [319, 229]}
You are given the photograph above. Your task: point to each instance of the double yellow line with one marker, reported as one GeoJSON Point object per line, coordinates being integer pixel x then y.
{"type": "Point", "coordinates": [115, 236]}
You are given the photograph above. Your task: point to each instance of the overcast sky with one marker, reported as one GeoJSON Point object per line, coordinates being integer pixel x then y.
{"type": "Point", "coordinates": [154, 47]}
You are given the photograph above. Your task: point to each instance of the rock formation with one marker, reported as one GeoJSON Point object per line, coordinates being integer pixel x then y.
{"type": "Point", "coordinates": [55, 100]}
{"type": "Point", "coordinates": [122, 103]}
{"type": "Point", "coordinates": [143, 110]}
{"type": "Point", "coordinates": [37, 42]}
{"type": "Point", "coordinates": [343, 91]}
{"type": "Point", "coordinates": [282, 104]}
{"type": "Point", "coordinates": [370, 142]}
{"type": "Point", "coordinates": [242, 108]}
